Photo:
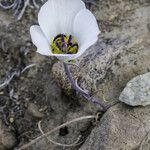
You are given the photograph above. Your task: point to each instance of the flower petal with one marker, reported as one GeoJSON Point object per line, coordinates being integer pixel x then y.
{"type": "Point", "coordinates": [39, 40]}
{"type": "Point", "coordinates": [56, 16]}
{"type": "Point", "coordinates": [86, 30]}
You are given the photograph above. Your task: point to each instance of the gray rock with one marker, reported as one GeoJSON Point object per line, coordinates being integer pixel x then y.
{"type": "Point", "coordinates": [33, 110]}
{"type": "Point", "coordinates": [121, 128]}
{"type": "Point", "coordinates": [137, 91]}
{"type": "Point", "coordinates": [7, 139]}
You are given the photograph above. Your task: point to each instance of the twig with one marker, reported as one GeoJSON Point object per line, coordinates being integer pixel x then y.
{"type": "Point", "coordinates": [35, 4]}
{"type": "Point", "coordinates": [23, 10]}
{"type": "Point", "coordinates": [15, 73]}
{"type": "Point", "coordinates": [19, 6]}
{"type": "Point", "coordinates": [7, 81]}
{"type": "Point", "coordinates": [59, 144]}
{"type": "Point", "coordinates": [55, 129]}
{"type": "Point", "coordinates": [27, 67]}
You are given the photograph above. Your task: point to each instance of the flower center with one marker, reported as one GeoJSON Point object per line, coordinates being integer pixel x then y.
{"type": "Point", "coordinates": [64, 44]}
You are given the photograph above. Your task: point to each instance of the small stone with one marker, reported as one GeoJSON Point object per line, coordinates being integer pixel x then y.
{"type": "Point", "coordinates": [34, 111]}
{"type": "Point", "coordinates": [11, 120]}
{"type": "Point", "coordinates": [137, 91]}
{"type": "Point", "coordinates": [1, 93]}
{"type": "Point", "coordinates": [7, 139]}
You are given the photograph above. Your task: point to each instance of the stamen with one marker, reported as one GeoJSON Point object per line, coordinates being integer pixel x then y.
{"type": "Point", "coordinates": [62, 39]}
{"type": "Point", "coordinates": [63, 44]}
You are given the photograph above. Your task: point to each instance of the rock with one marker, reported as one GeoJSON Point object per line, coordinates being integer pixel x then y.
{"type": "Point", "coordinates": [118, 56]}
{"type": "Point", "coordinates": [121, 128]}
{"type": "Point", "coordinates": [137, 91]}
{"type": "Point", "coordinates": [34, 111]}
{"type": "Point", "coordinates": [7, 139]}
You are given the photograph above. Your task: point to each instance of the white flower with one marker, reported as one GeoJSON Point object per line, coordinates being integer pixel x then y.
{"type": "Point", "coordinates": [65, 17]}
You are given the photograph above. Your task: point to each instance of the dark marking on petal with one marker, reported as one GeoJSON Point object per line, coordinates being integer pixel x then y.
{"type": "Point", "coordinates": [69, 39]}
{"type": "Point", "coordinates": [58, 36]}
{"type": "Point", "coordinates": [73, 49]}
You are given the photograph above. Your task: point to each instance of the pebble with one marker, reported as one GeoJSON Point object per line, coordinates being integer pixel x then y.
{"type": "Point", "coordinates": [7, 139]}
{"type": "Point", "coordinates": [137, 91]}
{"type": "Point", "coordinates": [33, 110]}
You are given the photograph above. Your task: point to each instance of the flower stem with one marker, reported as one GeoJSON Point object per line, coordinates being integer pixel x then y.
{"type": "Point", "coordinates": [84, 93]}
